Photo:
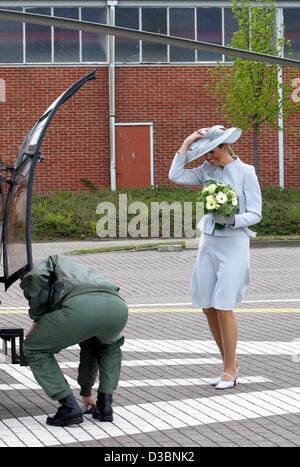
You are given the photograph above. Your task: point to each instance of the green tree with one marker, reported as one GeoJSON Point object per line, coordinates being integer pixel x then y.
{"type": "Point", "coordinates": [248, 92]}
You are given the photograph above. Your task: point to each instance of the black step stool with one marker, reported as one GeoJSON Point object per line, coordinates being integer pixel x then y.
{"type": "Point", "coordinates": [10, 335]}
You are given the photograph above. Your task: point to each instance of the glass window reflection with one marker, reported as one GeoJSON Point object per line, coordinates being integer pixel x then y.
{"type": "Point", "coordinates": [94, 46]}
{"type": "Point", "coordinates": [66, 41]}
{"type": "Point", "coordinates": [231, 26]}
{"type": "Point", "coordinates": [127, 50]}
{"type": "Point", "coordinates": [11, 40]}
{"type": "Point", "coordinates": [209, 29]}
{"type": "Point", "coordinates": [292, 29]}
{"type": "Point", "coordinates": [154, 20]}
{"type": "Point", "coordinates": [38, 39]}
{"type": "Point", "coordinates": [182, 24]}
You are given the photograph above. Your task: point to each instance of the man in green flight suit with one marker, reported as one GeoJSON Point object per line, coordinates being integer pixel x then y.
{"type": "Point", "coordinates": [70, 304]}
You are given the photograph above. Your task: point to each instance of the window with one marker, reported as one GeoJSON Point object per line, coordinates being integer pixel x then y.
{"type": "Point", "coordinates": [209, 29]}
{"type": "Point", "coordinates": [94, 46]}
{"type": "Point", "coordinates": [46, 44]}
{"type": "Point", "coordinates": [11, 40]}
{"type": "Point", "coordinates": [292, 30]}
{"type": "Point", "coordinates": [127, 50]}
{"type": "Point", "coordinates": [231, 26]}
{"type": "Point", "coordinates": [154, 20]}
{"type": "Point", "coordinates": [66, 41]}
{"type": "Point", "coordinates": [38, 39]}
{"type": "Point", "coordinates": [182, 24]}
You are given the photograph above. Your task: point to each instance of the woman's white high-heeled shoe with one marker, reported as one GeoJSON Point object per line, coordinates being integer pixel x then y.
{"type": "Point", "coordinates": [218, 380]}
{"type": "Point", "coordinates": [227, 384]}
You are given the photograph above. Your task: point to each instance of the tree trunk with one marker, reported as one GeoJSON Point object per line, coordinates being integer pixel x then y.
{"type": "Point", "coordinates": [255, 148]}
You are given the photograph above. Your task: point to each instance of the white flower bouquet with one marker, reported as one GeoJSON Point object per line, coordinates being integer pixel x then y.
{"type": "Point", "coordinates": [219, 199]}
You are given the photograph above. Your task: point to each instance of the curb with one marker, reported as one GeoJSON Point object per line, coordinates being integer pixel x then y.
{"type": "Point", "coordinates": [163, 248]}
{"type": "Point", "coordinates": [274, 243]}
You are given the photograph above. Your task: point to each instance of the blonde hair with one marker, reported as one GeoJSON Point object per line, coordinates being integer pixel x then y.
{"type": "Point", "coordinates": [229, 149]}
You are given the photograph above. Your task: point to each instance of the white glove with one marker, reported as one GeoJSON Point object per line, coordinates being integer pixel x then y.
{"type": "Point", "coordinates": [224, 220]}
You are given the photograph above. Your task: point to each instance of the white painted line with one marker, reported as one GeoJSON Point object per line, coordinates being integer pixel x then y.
{"type": "Point", "coordinates": [125, 425]}
{"type": "Point", "coordinates": [20, 430]}
{"type": "Point", "coordinates": [183, 304]}
{"type": "Point", "coordinates": [154, 305]}
{"type": "Point", "coordinates": [170, 408]}
{"type": "Point", "coordinates": [175, 304]}
{"type": "Point", "coordinates": [186, 409]}
{"type": "Point", "coordinates": [186, 382]}
{"type": "Point", "coordinates": [40, 431]}
{"type": "Point", "coordinates": [257, 400]}
{"type": "Point", "coordinates": [150, 383]}
{"type": "Point", "coordinates": [231, 407]}
{"type": "Point", "coordinates": [161, 415]}
{"type": "Point", "coordinates": [26, 379]}
{"type": "Point", "coordinates": [79, 433]}
{"type": "Point", "coordinates": [216, 409]}
{"type": "Point", "coordinates": [146, 416]}
{"type": "Point", "coordinates": [277, 300]}
{"type": "Point", "coordinates": [8, 437]}
{"type": "Point", "coordinates": [260, 411]}
{"type": "Point", "coordinates": [126, 414]}
{"type": "Point", "coordinates": [59, 433]}
{"type": "Point", "coordinates": [21, 374]}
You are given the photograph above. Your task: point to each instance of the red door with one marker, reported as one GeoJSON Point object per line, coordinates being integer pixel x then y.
{"type": "Point", "coordinates": [133, 156]}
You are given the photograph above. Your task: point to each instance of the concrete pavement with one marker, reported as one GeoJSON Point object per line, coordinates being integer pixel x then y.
{"type": "Point", "coordinates": [164, 397]}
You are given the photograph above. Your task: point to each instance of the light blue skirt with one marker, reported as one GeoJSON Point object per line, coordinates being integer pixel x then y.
{"type": "Point", "coordinates": [221, 272]}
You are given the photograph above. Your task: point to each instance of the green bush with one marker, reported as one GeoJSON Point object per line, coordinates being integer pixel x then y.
{"type": "Point", "coordinates": [72, 215]}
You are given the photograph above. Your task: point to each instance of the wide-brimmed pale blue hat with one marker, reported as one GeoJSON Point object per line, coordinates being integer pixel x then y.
{"type": "Point", "coordinates": [213, 137]}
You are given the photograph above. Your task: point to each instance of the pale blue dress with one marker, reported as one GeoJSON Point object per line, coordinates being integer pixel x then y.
{"type": "Point", "coordinates": [222, 269]}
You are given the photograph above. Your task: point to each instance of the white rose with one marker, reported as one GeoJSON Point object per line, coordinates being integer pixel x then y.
{"type": "Point", "coordinates": [234, 201]}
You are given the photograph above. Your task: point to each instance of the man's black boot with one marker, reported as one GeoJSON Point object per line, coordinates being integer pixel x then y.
{"type": "Point", "coordinates": [69, 413]}
{"type": "Point", "coordinates": [103, 410]}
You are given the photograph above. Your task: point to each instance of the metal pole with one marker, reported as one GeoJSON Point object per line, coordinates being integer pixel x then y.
{"type": "Point", "coordinates": [112, 99]}
{"type": "Point", "coordinates": [279, 24]}
{"type": "Point", "coordinates": [77, 25]}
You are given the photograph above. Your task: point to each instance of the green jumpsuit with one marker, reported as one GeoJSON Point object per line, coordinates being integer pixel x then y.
{"type": "Point", "coordinates": [72, 304]}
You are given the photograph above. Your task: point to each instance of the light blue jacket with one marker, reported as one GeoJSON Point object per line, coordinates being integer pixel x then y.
{"type": "Point", "coordinates": [240, 176]}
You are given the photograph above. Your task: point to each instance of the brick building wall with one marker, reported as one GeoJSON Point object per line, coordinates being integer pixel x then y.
{"type": "Point", "coordinates": [77, 142]}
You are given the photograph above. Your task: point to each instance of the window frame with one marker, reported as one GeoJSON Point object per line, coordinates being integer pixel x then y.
{"type": "Point", "coordinates": [126, 4]}
{"type": "Point", "coordinates": [53, 63]}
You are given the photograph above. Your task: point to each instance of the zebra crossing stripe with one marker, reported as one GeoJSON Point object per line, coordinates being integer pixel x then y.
{"type": "Point", "coordinates": [25, 380]}
{"type": "Point", "coordinates": [186, 381]}
{"type": "Point", "coordinates": [149, 417]}
{"type": "Point", "coordinates": [158, 362]}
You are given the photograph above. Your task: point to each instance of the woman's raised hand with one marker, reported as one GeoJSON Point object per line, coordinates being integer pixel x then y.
{"type": "Point", "coordinates": [191, 139]}
{"type": "Point", "coordinates": [196, 135]}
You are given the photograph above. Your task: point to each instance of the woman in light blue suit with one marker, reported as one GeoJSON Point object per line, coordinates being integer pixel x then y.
{"type": "Point", "coordinates": [221, 272]}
